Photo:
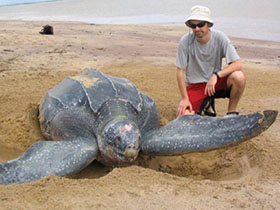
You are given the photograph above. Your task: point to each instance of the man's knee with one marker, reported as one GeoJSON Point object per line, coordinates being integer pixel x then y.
{"type": "Point", "coordinates": [237, 78]}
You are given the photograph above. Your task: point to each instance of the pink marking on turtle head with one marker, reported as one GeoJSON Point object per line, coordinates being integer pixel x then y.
{"type": "Point", "coordinates": [127, 127]}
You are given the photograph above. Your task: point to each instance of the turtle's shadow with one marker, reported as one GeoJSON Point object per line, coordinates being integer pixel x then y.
{"type": "Point", "coordinates": [93, 171]}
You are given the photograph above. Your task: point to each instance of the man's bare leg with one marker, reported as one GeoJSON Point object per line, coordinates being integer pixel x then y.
{"type": "Point", "coordinates": [236, 81]}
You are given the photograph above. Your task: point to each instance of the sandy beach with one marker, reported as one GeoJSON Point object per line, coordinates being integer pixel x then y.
{"type": "Point", "coordinates": [246, 176]}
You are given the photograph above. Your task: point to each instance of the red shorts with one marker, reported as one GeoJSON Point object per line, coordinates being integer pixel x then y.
{"type": "Point", "coordinates": [197, 96]}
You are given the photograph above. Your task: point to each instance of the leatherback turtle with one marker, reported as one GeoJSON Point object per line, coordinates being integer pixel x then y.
{"type": "Point", "coordinates": [98, 116]}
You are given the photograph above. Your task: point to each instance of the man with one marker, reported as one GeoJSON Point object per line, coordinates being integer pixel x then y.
{"type": "Point", "coordinates": [199, 67]}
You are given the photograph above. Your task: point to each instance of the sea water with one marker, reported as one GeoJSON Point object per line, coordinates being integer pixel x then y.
{"type": "Point", "coordinates": [17, 2]}
{"type": "Point", "coordinates": [253, 19]}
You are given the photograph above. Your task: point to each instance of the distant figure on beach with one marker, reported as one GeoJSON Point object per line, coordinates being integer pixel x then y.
{"type": "Point", "coordinates": [200, 75]}
{"type": "Point", "coordinates": [47, 30]}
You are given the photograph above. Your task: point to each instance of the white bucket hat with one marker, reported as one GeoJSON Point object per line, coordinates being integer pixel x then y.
{"type": "Point", "coordinates": [200, 13]}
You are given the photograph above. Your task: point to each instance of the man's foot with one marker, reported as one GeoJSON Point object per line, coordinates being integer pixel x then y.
{"type": "Point", "coordinates": [210, 108]}
{"type": "Point", "coordinates": [231, 114]}
{"type": "Point", "coordinates": [210, 113]}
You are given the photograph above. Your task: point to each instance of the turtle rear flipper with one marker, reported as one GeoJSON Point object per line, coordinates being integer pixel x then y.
{"type": "Point", "coordinates": [193, 133]}
{"type": "Point", "coordinates": [44, 158]}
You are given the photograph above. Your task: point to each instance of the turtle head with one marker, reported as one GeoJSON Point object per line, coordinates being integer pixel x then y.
{"type": "Point", "coordinates": [119, 142]}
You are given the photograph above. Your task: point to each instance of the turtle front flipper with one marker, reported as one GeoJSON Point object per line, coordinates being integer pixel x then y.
{"type": "Point", "coordinates": [193, 133]}
{"type": "Point", "coordinates": [44, 158]}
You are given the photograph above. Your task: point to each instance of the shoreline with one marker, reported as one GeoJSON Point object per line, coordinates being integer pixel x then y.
{"type": "Point", "coordinates": [249, 49]}
{"type": "Point", "coordinates": [122, 21]}
{"type": "Point", "coordinates": [252, 16]}
{"type": "Point", "coordinates": [167, 25]}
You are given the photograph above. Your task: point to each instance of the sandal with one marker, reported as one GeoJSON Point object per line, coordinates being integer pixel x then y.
{"type": "Point", "coordinates": [233, 113]}
{"type": "Point", "coordinates": [210, 114]}
{"type": "Point", "coordinates": [208, 103]}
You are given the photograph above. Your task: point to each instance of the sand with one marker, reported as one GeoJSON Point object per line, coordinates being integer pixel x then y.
{"type": "Point", "coordinates": [242, 177]}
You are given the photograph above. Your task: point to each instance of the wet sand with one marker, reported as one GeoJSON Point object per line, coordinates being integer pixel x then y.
{"type": "Point", "coordinates": [242, 177]}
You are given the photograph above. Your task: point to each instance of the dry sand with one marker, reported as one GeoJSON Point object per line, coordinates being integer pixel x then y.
{"type": "Point", "coordinates": [242, 177]}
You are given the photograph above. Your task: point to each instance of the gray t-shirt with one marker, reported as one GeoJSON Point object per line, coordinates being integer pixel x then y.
{"type": "Point", "coordinates": [200, 61]}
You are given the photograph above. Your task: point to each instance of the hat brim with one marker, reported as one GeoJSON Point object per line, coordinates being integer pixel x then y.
{"type": "Point", "coordinates": [201, 18]}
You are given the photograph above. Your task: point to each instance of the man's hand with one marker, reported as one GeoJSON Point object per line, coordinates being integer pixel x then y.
{"type": "Point", "coordinates": [210, 86]}
{"type": "Point", "coordinates": [185, 107]}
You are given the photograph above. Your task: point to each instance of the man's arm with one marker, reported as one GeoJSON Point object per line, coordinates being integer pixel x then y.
{"type": "Point", "coordinates": [185, 102]}
{"type": "Point", "coordinates": [232, 67]}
